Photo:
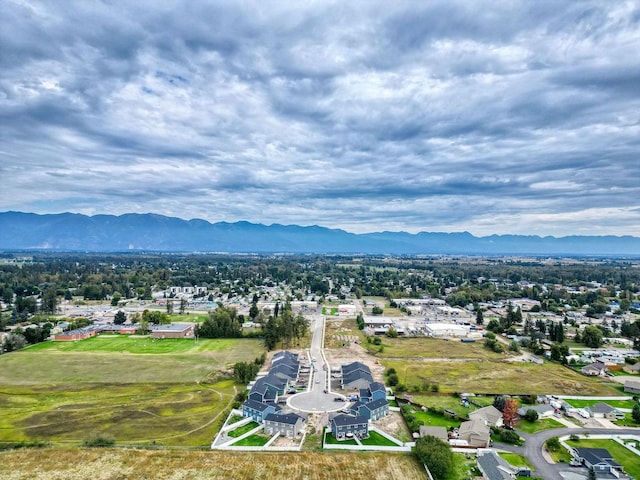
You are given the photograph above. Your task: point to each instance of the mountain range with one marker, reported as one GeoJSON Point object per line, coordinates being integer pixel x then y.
{"type": "Point", "coordinates": [158, 233]}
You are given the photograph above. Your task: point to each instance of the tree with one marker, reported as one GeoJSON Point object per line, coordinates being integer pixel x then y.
{"type": "Point", "coordinates": [592, 474]}
{"type": "Point", "coordinates": [50, 300]}
{"type": "Point", "coordinates": [592, 337]}
{"type": "Point", "coordinates": [120, 317]}
{"type": "Point", "coordinates": [531, 415]}
{"type": "Point", "coordinates": [183, 304]}
{"type": "Point", "coordinates": [499, 402]}
{"type": "Point", "coordinates": [553, 444]}
{"type": "Point", "coordinates": [253, 311]}
{"type": "Point", "coordinates": [635, 413]}
{"type": "Point", "coordinates": [510, 411]}
{"type": "Point", "coordinates": [479, 317]}
{"type": "Point", "coordinates": [115, 299]}
{"type": "Point", "coordinates": [377, 310]}
{"type": "Point", "coordinates": [435, 454]}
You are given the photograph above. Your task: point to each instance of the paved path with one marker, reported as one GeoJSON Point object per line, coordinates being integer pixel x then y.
{"type": "Point", "coordinates": [533, 448]}
{"type": "Point", "coordinates": [316, 400]}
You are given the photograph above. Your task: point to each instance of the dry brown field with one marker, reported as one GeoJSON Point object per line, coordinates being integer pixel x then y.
{"type": "Point", "coordinates": [129, 464]}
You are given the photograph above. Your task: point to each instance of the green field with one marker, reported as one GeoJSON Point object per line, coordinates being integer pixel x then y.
{"type": "Point", "coordinates": [614, 403]}
{"type": "Point", "coordinates": [492, 377]}
{"type": "Point", "coordinates": [131, 390]}
{"type": "Point", "coordinates": [538, 425]}
{"type": "Point", "coordinates": [625, 457]}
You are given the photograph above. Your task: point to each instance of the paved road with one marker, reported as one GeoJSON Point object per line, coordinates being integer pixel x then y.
{"type": "Point", "coordinates": [534, 444]}
{"type": "Point", "coordinates": [316, 400]}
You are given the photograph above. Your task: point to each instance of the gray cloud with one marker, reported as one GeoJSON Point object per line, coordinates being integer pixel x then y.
{"type": "Point", "coordinates": [519, 118]}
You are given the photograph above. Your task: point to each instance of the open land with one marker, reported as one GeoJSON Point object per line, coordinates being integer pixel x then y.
{"type": "Point", "coordinates": [171, 393]}
{"type": "Point", "coordinates": [124, 464]}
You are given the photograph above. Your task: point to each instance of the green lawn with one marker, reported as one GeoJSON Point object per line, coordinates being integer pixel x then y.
{"type": "Point", "coordinates": [252, 441]}
{"type": "Point", "coordinates": [432, 420]}
{"type": "Point", "coordinates": [376, 439]}
{"type": "Point", "coordinates": [516, 460]}
{"type": "Point", "coordinates": [625, 457]}
{"type": "Point", "coordinates": [243, 429]}
{"type": "Point", "coordinates": [463, 468]}
{"type": "Point", "coordinates": [614, 403]}
{"type": "Point", "coordinates": [191, 317]}
{"type": "Point", "coordinates": [331, 440]}
{"type": "Point", "coordinates": [139, 345]}
{"type": "Point", "coordinates": [538, 425]}
{"type": "Point", "coordinates": [447, 402]}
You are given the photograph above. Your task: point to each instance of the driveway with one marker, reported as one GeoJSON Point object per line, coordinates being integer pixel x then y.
{"type": "Point", "coordinates": [316, 400]}
{"type": "Point", "coordinates": [533, 448]}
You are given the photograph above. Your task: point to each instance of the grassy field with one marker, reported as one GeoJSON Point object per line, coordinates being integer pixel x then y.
{"type": "Point", "coordinates": [122, 359]}
{"type": "Point", "coordinates": [538, 425]}
{"type": "Point", "coordinates": [485, 376]}
{"type": "Point", "coordinates": [131, 464]}
{"type": "Point", "coordinates": [238, 432]}
{"type": "Point", "coordinates": [614, 403]}
{"type": "Point", "coordinates": [131, 390]}
{"type": "Point", "coordinates": [625, 457]}
{"type": "Point", "coordinates": [516, 460]}
{"type": "Point", "coordinates": [433, 420]}
{"type": "Point", "coordinates": [423, 347]}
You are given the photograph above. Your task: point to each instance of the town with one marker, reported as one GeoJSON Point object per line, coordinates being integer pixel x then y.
{"type": "Point", "coordinates": [464, 368]}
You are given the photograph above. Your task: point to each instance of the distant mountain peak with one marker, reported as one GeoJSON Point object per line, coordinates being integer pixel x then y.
{"type": "Point", "coordinates": [155, 232]}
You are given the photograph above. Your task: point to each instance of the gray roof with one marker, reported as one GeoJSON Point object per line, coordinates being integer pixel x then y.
{"type": "Point", "coordinates": [596, 455]}
{"type": "Point", "coordinates": [343, 420]}
{"type": "Point", "coordinates": [259, 406]}
{"type": "Point", "coordinates": [356, 375]}
{"type": "Point", "coordinates": [351, 367]}
{"type": "Point", "coordinates": [494, 467]}
{"type": "Point", "coordinates": [601, 407]}
{"type": "Point", "coordinates": [375, 404]}
{"type": "Point", "coordinates": [288, 418]}
{"type": "Point", "coordinates": [438, 432]}
{"type": "Point", "coordinates": [171, 327]}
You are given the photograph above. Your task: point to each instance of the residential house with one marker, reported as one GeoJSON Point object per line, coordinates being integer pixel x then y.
{"type": "Point", "coordinates": [543, 410]}
{"type": "Point", "coordinates": [494, 467]}
{"type": "Point", "coordinates": [288, 425]}
{"type": "Point", "coordinates": [489, 415]}
{"type": "Point", "coordinates": [272, 382]}
{"type": "Point", "coordinates": [438, 432]}
{"type": "Point", "coordinates": [356, 376]}
{"type": "Point", "coordinates": [475, 432]}
{"type": "Point", "coordinates": [594, 369]}
{"type": "Point", "coordinates": [633, 369]}
{"type": "Point", "coordinates": [258, 411]}
{"type": "Point", "coordinates": [604, 410]}
{"type": "Point", "coordinates": [348, 426]}
{"type": "Point", "coordinates": [373, 410]}
{"type": "Point", "coordinates": [600, 460]}
{"type": "Point", "coordinates": [375, 391]}
{"type": "Point", "coordinates": [632, 386]}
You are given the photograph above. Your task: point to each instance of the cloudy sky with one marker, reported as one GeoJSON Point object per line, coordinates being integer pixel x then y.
{"type": "Point", "coordinates": [491, 117]}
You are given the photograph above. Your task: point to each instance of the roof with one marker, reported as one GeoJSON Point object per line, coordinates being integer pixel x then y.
{"type": "Point", "coordinates": [474, 426]}
{"type": "Point", "coordinates": [354, 366]}
{"type": "Point", "coordinates": [491, 414]}
{"type": "Point", "coordinates": [438, 432]}
{"type": "Point", "coordinates": [356, 375]}
{"type": "Point", "coordinates": [493, 466]}
{"type": "Point", "coordinates": [377, 386]}
{"type": "Point", "coordinates": [288, 418]}
{"type": "Point", "coordinates": [343, 420]}
{"type": "Point", "coordinates": [375, 404]}
{"type": "Point", "coordinates": [601, 407]}
{"type": "Point", "coordinates": [539, 409]}
{"type": "Point", "coordinates": [594, 456]}
{"type": "Point", "coordinates": [259, 406]}
{"type": "Point", "coordinates": [171, 327]}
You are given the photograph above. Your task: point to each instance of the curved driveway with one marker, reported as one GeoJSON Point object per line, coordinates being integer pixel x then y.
{"type": "Point", "coordinates": [534, 444]}
{"type": "Point", "coordinates": [315, 400]}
